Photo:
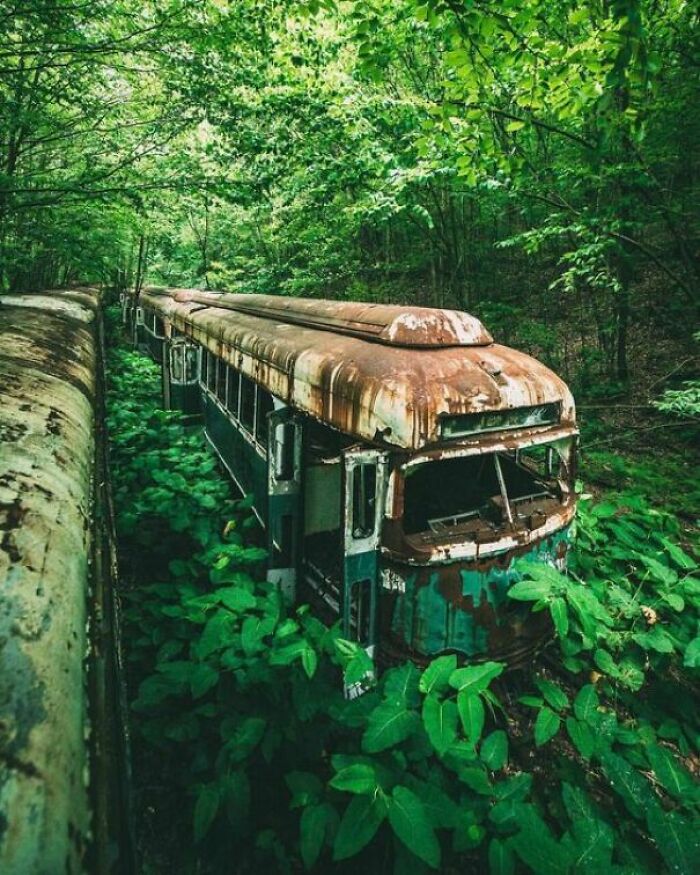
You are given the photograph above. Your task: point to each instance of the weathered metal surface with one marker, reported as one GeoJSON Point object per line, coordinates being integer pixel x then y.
{"type": "Point", "coordinates": [423, 327]}
{"type": "Point", "coordinates": [47, 367]}
{"type": "Point", "coordinates": [389, 395]}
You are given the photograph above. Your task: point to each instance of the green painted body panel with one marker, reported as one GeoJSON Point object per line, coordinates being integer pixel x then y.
{"type": "Point", "coordinates": [459, 607]}
{"type": "Point", "coordinates": [246, 464]}
{"type": "Point", "coordinates": [358, 569]}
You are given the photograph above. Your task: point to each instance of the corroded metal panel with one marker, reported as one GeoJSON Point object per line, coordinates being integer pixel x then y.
{"type": "Point", "coordinates": [393, 396]}
{"type": "Point", "coordinates": [47, 374]}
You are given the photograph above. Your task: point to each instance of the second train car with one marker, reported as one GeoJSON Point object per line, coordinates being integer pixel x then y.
{"type": "Point", "coordinates": [399, 459]}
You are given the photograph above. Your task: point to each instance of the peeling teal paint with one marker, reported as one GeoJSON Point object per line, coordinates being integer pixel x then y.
{"type": "Point", "coordinates": [430, 622]}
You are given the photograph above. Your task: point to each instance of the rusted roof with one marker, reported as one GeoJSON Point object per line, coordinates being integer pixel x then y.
{"type": "Point", "coordinates": [382, 323]}
{"type": "Point", "coordinates": [47, 368]}
{"type": "Point", "coordinates": [389, 394]}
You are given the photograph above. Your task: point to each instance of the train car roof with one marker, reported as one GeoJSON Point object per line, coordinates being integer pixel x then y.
{"type": "Point", "coordinates": [383, 374]}
{"type": "Point", "coordinates": [47, 391]}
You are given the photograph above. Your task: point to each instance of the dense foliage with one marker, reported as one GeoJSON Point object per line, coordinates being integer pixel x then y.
{"type": "Point", "coordinates": [248, 751]}
{"type": "Point", "coordinates": [529, 160]}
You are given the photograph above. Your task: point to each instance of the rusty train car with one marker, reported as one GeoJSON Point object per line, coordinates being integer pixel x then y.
{"type": "Point", "coordinates": [63, 754]}
{"type": "Point", "coordinates": [399, 459]}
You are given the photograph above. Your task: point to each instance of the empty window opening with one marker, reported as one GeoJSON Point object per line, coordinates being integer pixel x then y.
{"type": "Point", "coordinates": [221, 369]}
{"type": "Point", "coordinates": [232, 392]}
{"type": "Point", "coordinates": [211, 371]}
{"type": "Point", "coordinates": [467, 494]}
{"type": "Point", "coordinates": [364, 500]}
{"type": "Point", "coordinates": [265, 406]}
{"type": "Point", "coordinates": [247, 403]}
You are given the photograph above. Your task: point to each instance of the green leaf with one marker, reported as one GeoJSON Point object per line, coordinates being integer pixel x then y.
{"type": "Point", "coordinates": [687, 563]}
{"type": "Point", "coordinates": [530, 590]}
{"type": "Point", "coordinates": [216, 634]}
{"type": "Point", "coordinates": [546, 726]}
{"type": "Point", "coordinates": [305, 787]}
{"type": "Point", "coordinates": [236, 598]}
{"type": "Point", "coordinates": [582, 737]}
{"type": "Point", "coordinates": [691, 658]}
{"type": "Point", "coordinates": [477, 779]}
{"type": "Point", "coordinates": [606, 663]}
{"type": "Point", "coordinates": [594, 838]}
{"type": "Point", "coordinates": [360, 822]}
{"type": "Point", "coordinates": [202, 678]}
{"type": "Point", "coordinates": [586, 704]}
{"type": "Point", "coordinates": [553, 693]}
{"type": "Point", "coordinates": [440, 722]}
{"type": "Point", "coordinates": [475, 678]}
{"type": "Point", "coordinates": [309, 661]}
{"type": "Point", "coordinates": [205, 809]}
{"type": "Point", "coordinates": [313, 828]}
{"type": "Point", "coordinates": [536, 846]}
{"type": "Point", "coordinates": [436, 676]}
{"type": "Point", "coordinates": [515, 126]}
{"type": "Point", "coordinates": [669, 772]}
{"type": "Point", "coordinates": [409, 820]}
{"type": "Point", "coordinates": [501, 858]}
{"type": "Point", "coordinates": [628, 783]}
{"type": "Point", "coordinates": [357, 778]}
{"type": "Point", "coordinates": [472, 715]}
{"type": "Point", "coordinates": [560, 616]}
{"type": "Point", "coordinates": [494, 750]}
{"type": "Point", "coordinates": [677, 838]}
{"type": "Point", "coordinates": [389, 723]}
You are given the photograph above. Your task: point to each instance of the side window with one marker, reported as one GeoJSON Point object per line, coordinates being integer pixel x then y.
{"type": "Point", "coordinates": [191, 362]}
{"type": "Point", "coordinates": [247, 403]}
{"type": "Point", "coordinates": [264, 407]}
{"type": "Point", "coordinates": [221, 368]}
{"type": "Point", "coordinates": [364, 490]}
{"type": "Point", "coordinates": [158, 327]}
{"type": "Point", "coordinates": [284, 451]}
{"type": "Point", "coordinates": [203, 363]}
{"type": "Point", "coordinates": [211, 371]}
{"type": "Point", "coordinates": [232, 397]}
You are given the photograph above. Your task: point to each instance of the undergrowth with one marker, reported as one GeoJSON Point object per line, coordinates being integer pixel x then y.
{"type": "Point", "coordinates": [249, 758]}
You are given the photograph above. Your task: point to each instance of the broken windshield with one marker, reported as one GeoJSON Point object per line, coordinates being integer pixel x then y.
{"type": "Point", "coordinates": [482, 493]}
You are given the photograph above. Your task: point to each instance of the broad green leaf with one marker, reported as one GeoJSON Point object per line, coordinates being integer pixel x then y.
{"type": "Point", "coordinates": [586, 704]}
{"type": "Point", "coordinates": [537, 847]}
{"type": "Point", "coordinates": [440, 722]}
{"type": "Point", "coordinates": [546, 726]}
{"type": "Point", "coordinates": [412, 826]}
{"type": "Point", "coordinates": [582, 737]}
{"type": "Point", "coordinates": [436, 676]}
{"type": "Point", "coordinates": [515, 788]}
{"type": "Point", "coordinates": [501, 858]}
{"type": "Point", "coordinates": [236, 598]}
{"type": "Point", "coordinates": [553, 693]}
{"type": "Point", "coordinates": [305, 788]}
{"type": "Point", "coordinates": [677, 838]}
{"type": "Point", "coordinates": [313, 829]}
{"type": "Point", "coordinates": [530, 590]}
{"type": "Point", "coordinates": [205, 810]}
{"type": "Point", "coordinates": [390, 723]}
{"type": "Point", "coordinates": [360, 822]}
{"type": "Point", "coordinates": [477, 779]}
{"type": "Point", "coordinates": [494, 750]}
{"type": "Point", "coordinates": [628, 783]}
{"type": "Point", "coordinates": [682, 560]}
{"type": "Point", "coordinates": [691, 658]}
{"type": "Point", "coordinates": [472, 714]}
{"type": "Point", "coordinates": [475, 678]}
{"type": "Point", "coordinates": [594, 838]}
{"type": "Point", "coordinates": [560, 616]}
{"type": "Point", "coordinates": [672, 776]}
{"type": "Point", "coordinates": [605, 662]}
{"type": "Point", "coordinates": [202, 678]}
{"type": "Point", "coordinates": [357, 778]}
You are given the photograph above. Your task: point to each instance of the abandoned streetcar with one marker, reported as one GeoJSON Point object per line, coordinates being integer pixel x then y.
{"type": "Point", "coordinates": [398, 458]}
